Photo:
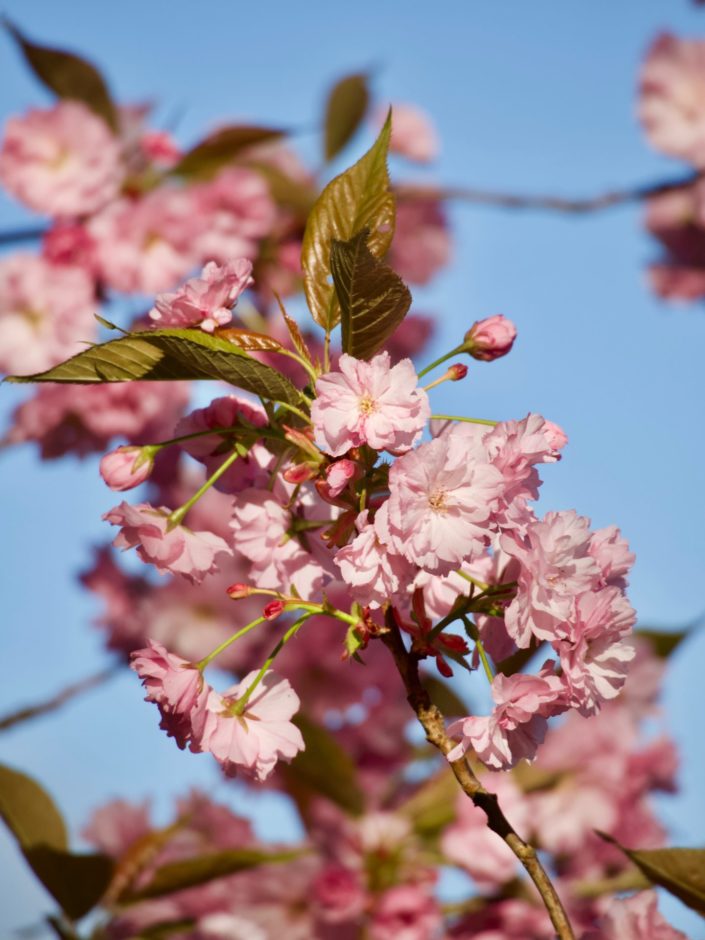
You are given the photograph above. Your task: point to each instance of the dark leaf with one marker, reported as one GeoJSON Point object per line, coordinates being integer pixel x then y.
{"type": "Point", "coordinates": [170, 354]}
{"type": "Point", "coordinates": [679, 871]}
{"type": "Point", "coordinates": [76, 882]}
{"type": "Point", "coordinates": [67, 75]}
{"type": "Point", "coordinates": [358, 198]}
{"type": "Point", "coordinates": [29, 812]}
{"type": "Point", "coordinates": [345, 109]}
{"type": "Point", "coordinates": [222, 147]}
{"type": "Point", "coordinates": [373, 299]}
{"type": "Point", "coordinates": [663, 642]}
{"type": "Point", "coordinates": [190, 872]}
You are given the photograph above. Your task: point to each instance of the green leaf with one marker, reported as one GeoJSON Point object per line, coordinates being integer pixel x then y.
{"type": "Point", "coordinates": [373, 299]}
{"type": "Point", "coordinates": [444, 698]}
{"type": "Point", "coordinates": [248, 340]}
{"type": "Point", "coordinates": [169, 354]}
{"type": "Point", "coordinates": [323, 769]}
{"type": "Point", "coordinates": [346, 107]}
{"type": "Point", "coordinates": [190, 872]}
{"type": "Point", "coordinates": [67, 75]}
{"type": "Point", "coordinates": [358, 198]}
{"type": "Point", "coordinates": [76, 882]}
{"type": "Point", "coordinates": [222, 147]}
{"type": "Point", "coordinates": [29, 812]}
{"type": "Point", "coordinates": [680, 871]}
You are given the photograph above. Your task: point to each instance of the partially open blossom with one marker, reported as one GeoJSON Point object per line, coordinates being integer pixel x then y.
{"type": "Point", "coordinates": [371, 403]}
{"type": "Point", "coordinates": [206, 301]}
{"type": "Point", "coordinates": [62, 160]}
{"type": "Point", "coordinates": [413, 134]}
{"type": "Point", "coordinates": [126, 467]}
{"type": "Point", "coordinates": [491, 338]}
{"type": "Point", "coordinates": [175, 686]}
{"type": "Point", "coordinates": [262, 735]}
{"type": "Point", "coordinates": [339, 474]}
{"type": "Point", "coordinates": [175, 549]}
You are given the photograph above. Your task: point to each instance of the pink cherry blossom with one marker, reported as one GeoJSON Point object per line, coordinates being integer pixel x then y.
{"type": "Point", "coordinates": [441, 500]}
{"type": "Point", "coordinates": [260, 523]}
{"type": "Point", "coordinates": [339, 893]}
{"type": "Point", "coordinates": [491, 338]}
{"type": "Point", "coordinates": [637, 918]}
{"type": "Point", "coordinates": [68, 243]}
{"type": "Point", "coordinates": [556, 565]}
{"type": "Point", "coordinates": [61, 161]}
{"type": "Point", "coordinates": [338, 476]}
{"type": "Point", "coordinates": [677, 220]}
{"type": "Point", "coordinates": [517, 724]}
{"type": "Point", "coordinates": [611, 552]}
{"type": "Point", "coordinates": [373, 573]}
{"type": "Point", "coordinates": [370, 403]}
{"type": "Point", "coordinates": [406, 912]}
{"type": "Point", "coordinates": [205, 301]}
{"type": "Point", "coordinates": [116, 826]}
{"type": "Point", "coordinates": [413, 133]}
{"type": "Point", "coordinates": [46, 313]}
{"type": "Point", "coordinates": [175, 686]}
{"type": "Point", "coordinates": [422, 242]}
{"type": "Point", "coordinates": [126, 467]}
{"type": "Point", "coordinates": [263, 734]}
{"type": "Point", "coordinates": [671, 92]}
{"type": "Point", "coordinates": [177, 549]}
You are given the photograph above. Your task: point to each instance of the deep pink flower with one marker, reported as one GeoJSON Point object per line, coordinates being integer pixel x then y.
{"type": "Point", "coordinates": [442, 498]}
{"type": "Point", "coordinates": [68, 243]}
{"type": "Point", "coordinates": [256, 740]}
{"type": "Point", "coordinates": [491, 338]}
{"type": "Point", "coordinates": [175, 686]}
{"type": "Point", "coordinates": [177, 550]}
{"type": "Point", "coordinates": [406, 912]}
{"type": "Point", "coordinates": [126, 467]}
{"type": "Point", "coordinates": [46, 313]}
{"type": "Point", "coordinates": [517, 724]}
{"type": "Point", "coordinates": [61, 161]}
{"type": "Point", "coordinates": [373, 573]}
{"type": "Point", "coordinates": [206, 301]}
{"type": "Point", "coordinates": [636, 918]}
{"type": "Point", "coordinates": [339, 893]}
{"type": "Point", "coordinates": [413, 133]}
{"type": "Point", "coordinates": [370, 403]}
{"type": "Point", "coordinates": [671, 90]}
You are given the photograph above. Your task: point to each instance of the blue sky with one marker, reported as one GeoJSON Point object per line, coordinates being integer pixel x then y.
{"type": "Point", "coordinates": [530, 97]}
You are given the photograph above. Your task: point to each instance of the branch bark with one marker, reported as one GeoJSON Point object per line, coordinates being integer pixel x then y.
{"type": "Point", "coordinates": [433, 724]}
{"type": "Point", "coordinates": [56, 701]}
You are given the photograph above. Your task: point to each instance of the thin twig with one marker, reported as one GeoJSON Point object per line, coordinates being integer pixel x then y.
{"type": "Point", "coordinates": [433, 724]}
{"type": "Point", "coordinates": [582, 206]}
{"type": "Point", "coordinates": [61, 698]}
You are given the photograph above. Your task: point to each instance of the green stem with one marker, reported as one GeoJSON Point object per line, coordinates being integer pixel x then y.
{"type": "Point", "coordinates": [440, 361]}
{"type": "Point", "coordinates": [301, 361]}
{"type": "Point", "coordinates": [478, 584]}
{"type": "Point", "coordinates": [295, 410]}
{"type": "Point", "coordinates": [474, 633]}
{"type": "Point", "coordinates": [178, 514]}
{"type": "Point", "coordinates": [241, 703]}
{"type": "Point", "coordinates": [486, 421]}
{"type": "Point", "coordinates": [326, 352]}
{"type": "Point", "coordinates": [223, 646]}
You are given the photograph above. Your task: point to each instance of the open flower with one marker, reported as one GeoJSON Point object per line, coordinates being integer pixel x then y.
{"type": "Point", "coordinates": [206, 301]}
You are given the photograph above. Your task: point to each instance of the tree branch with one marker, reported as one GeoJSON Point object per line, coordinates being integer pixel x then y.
{"type": "Point", "coordinates": [583, 206]}
{"type": "Point", "coordinates": [13, 236]}
{"type": "Point", "coordinates": [433, 724]}
{"type": "Point", "coordinates": [56, 701]}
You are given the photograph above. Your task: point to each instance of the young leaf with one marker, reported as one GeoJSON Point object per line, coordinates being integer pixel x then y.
{"type": "Point", "coordinates": [373, 299]}
{"type": "Point", "coordinates": [663, 642]}
{"type": "Point", "coordinates": [248, 339]}
{"type": "Point", "coordinates": [346, 107]}
{"type": "Point", "coordinates": [190, 872]}
{"type": "Point", "coordinates": [169, 354]}
{"type": "Point", "coordinates": [294, 332]}
{"type": "Point", "coordinates": [67, 75]}
{"type": "Point", "coordinates": [29, 812]}
{"type": "Point", "coordinates": [76, 882]}
{"type": "Point", "coordinates": [222, 147]}
{"type": "Point", "coordinates": [358, 198]}
{"type": "Point", "coordinates": [679, 871]}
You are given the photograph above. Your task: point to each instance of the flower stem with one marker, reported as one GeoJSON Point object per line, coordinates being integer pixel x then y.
{"type": "Point", "coordinates": [486, 421]}
{"type": "Point", "coordinates": [474, 634]}
{"type": "Point", "coordinates": [294, 410]}
{"type": "Point", "coordinates": [177, 515]}
{"type": "Point", "coordinates": [440, 361]}
{"type": "Point", "coordinates": [301, 361]}
{"type": "Point", "coordinates": [201, 665]}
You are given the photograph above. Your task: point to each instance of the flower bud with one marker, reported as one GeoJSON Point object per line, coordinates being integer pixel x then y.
{"type": "Point", "coordinates": [457, 371]}
{"type": "Point", "coordinates": [491, 338]}
{"type": "Point", "coordinates": [339, 474]}
{"type": "Point", "coordinates": [127, 467]}
{"type": "Point", "coordinates": [273, 609]}
{"type": "Point", "coordinates": [237, 591]}
{"type": "Point", "coordinates": [300, 473]}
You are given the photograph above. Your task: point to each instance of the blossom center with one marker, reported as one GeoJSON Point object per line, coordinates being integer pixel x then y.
{"type": "Point", "coordinates": [437, 500]}
{"type": "Point", "coordinates": [367, 405]}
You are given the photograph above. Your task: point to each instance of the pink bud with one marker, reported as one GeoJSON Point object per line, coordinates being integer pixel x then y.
{"type": "Point", "coordinates": [273, 609]}
{"type": "Point", "coordinates": [238, 591]}
{"type": "Point", "coordinates": [491, 338]}
{"type": "Point", "coordinates": [299, 473]}
{"type": "Point", "coordinates": [339, 474]}
{"type": "Point", "coordinates": [457, 371]}
{"type": "Point", "coordinates": [126, 467]}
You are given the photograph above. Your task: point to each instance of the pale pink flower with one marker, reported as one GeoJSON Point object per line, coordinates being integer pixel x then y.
{"type": "Point", "coordinates": [612, 554]}
{"type": "Point", "coordinates": [517, 724]}
{"type": "Point", "coordinates": [422, 242]}
{"type": "Point", "coordinates": [62, 160]}
{"type": "Point", "coordinates": [491, 338]}
{"type": "Point", "coordinates": [46, 313]}
{"type": "Point", "coordinates": [236, 210]}
{"type": "Point", "coordinates": [442, 496]}
{"type": "Point", "coordinates": [126, 467]}
{"type": "Point", "coordinates": [260, 524]}
{"type": "Point", "coordinates": [175, 686]}
{"type": "Point", "coordinates": [339, 893]}
{"type": "Point", "coordinates": [672, 90]}
{"type": "Point", "coordinates": [413, 133]}
{"type": "Point", "coordinates": [373, 573]}
{"type": "Point", "coordinates": [406, 912]}
{"type": "Point", "coordinates": [206, 301]}
{"type": "Point", "coordinates": [177, 550]}
{"type": "Point", "coordinates": [557, 438]}
{"type": "Point", "coordinates": [370, 403]}
{"type": "Point", "coordinates": [556, 565]}
{"type": "Point", "coordinates": [264, 734]}
{"type": "Point", "coordinates": [145, 245]}
{"type": "Point", "coordinates": [114, 827]}
{"type": "Point", "coordinates": [637, 918]}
